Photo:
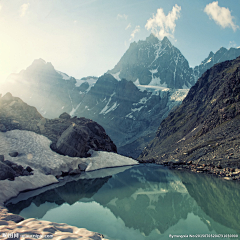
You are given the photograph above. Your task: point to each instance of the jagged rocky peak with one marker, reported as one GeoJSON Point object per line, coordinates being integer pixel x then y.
{"type": "Point", "coordinates": [152, 39]}
{"type": "Point", "coordinates": [221, 55]}
{"type": "Point", "coordinates": [40, 65]}
{"type": "Point", "coordinates": [39, 61]}
{"type": "Point", "coordinates": [7, 97]}
{"type": "Point", "coordinates": [166, 41]}
{"type": "Point", "coordinates": [156, 63]}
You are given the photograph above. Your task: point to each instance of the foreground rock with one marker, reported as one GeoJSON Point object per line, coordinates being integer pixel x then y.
{"type": "Point", "coordinates": [205, 129]}
{"type": "Point", "coordinates": [15, 114]}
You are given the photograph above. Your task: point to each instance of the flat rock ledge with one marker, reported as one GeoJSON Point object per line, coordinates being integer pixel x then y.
{"type": "Point", "coordinates": [14, 227]}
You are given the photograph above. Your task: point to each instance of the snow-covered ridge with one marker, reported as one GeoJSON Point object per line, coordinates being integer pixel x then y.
{"type": "Point", "coordinates": [90, 81]}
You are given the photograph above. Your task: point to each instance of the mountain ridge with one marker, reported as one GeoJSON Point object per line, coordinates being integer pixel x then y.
{"type": "Point", "coordinates": [130, 108]}
{"type": "Point", "coordinates": [204, 128]}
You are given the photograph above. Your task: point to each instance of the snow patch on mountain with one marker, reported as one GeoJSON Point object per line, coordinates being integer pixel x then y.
{"type": "Point", "coordinates": [106, 109]}
{"type": "Point", "coordinates": [114, 106]}
{"type": "Point", "coordinates": [185, 86]}
{"type": "Point", "coordinates": [141, 101]}
{"type": "Point", "coordinates": [137, 82]}
{"type": "Point", "coordinates": [137, 109]}
{"type": "Point", "coordinates": [209, 60]}
{"type": "Point", "coordinates": [74, 109]}
{"type": "Point", "coordinates": [64, 75]}
{"type": "Point", "coordinates": [116, 76]}
{"type": "Point", "coordinates": [90, 81]}
{"type": "Point", "coordinates": [179, 94]}
{"type": "Point", "coordinates": [153, 71]}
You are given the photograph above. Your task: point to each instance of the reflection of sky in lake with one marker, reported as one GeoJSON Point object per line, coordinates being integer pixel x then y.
{"type": "Point", "coordinates": [139, 203]}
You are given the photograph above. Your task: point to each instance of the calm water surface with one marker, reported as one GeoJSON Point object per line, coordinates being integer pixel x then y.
{"type": "Point", "coordinates": [141, 202]}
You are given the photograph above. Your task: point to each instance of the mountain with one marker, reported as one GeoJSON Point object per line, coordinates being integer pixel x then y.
{"type": "Point", "coordinates": [126, 112]}
{"type": "Point", "coordinates": [129, 101]}
{"type": "Point", "coordinates": [50, 91]}
{"type": "Point", "coordinates": [154, 62]}
{"type": "Point", "coordinates": [220, 56]}
{"type": "Point", "coordinates": [205, 127]}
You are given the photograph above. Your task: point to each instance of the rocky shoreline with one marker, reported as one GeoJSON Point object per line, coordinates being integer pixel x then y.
{"type": "Point", "coordinates": [15, 227]}
{"type": "Point", "coordinates": [227, 173]}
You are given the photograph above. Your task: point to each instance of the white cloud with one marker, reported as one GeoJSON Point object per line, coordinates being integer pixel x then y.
{"type": "Point", "coordinates": [232, 44]}
{"type": "Point", "coordinates": [128, 26]}
{"type": "Point", "coordinates": [162, 25]}
{"type": "Point", "coordinates": [23, 9]}
{"type": "Point", "coordinates": [221, 15]}
{"type": "Point", "coordinates": [122, 16]}
{"type": "Point", "coordinates": [137, 29]}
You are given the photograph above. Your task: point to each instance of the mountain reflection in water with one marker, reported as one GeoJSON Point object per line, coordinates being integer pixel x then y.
{"type": "Point", "coordinates": [143, 202]}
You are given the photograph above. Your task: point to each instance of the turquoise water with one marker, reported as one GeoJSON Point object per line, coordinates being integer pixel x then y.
{"type": "Point", "coordinates": [142, 202]}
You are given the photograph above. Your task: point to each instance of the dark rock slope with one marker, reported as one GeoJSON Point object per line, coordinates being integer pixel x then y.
{"type": "Point", "coordinates": [69, 136]}
{"type": "Point", "coordinates": [205, 128]}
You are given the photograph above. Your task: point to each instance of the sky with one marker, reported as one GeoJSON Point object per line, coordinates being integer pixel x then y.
{"type": "Point", "coordinates": [88, 37]}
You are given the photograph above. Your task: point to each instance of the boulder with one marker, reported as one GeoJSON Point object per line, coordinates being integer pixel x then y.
{"type": "Point", "coordinates": [6, 172]}
{"type": "Point", "coordinates": [29, 169]}
{"type": "Point", "coordinates": [77, 140]}
{"type": "Point", "coordinates": [3, 128]}
{"type": "Point", "coordinates": [65, 116]}
{"type": "Point", "coordinates": [13, 154]}
{"type": "Point", "coordinates": [73, 141]}
{"type": "Point", "coordinates": [1, 158]}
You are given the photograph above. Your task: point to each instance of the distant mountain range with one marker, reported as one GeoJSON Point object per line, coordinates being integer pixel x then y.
{"type": "Point", "coordinates": [129, 101]}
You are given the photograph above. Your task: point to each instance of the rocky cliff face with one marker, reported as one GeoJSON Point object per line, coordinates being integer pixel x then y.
{"type": "Point", "coordinates": [205, 127]}
{"type": "Point", "coordinates": [70, 136]}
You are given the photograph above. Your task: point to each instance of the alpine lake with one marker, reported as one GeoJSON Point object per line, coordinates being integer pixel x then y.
{"type": "Point", "coordinates": [139, 202]}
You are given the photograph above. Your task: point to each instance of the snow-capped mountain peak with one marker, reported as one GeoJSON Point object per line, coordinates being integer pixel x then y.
{"type": "Point", "coordinates": [156, 62]}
